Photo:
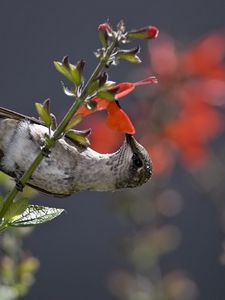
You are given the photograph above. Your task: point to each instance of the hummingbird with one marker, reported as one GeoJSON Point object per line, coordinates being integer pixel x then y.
{"type": "Point", "coordinates": [70, 167]}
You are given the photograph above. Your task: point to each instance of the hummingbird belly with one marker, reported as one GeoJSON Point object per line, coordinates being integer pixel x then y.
{"type": "Point", "coordinates": [55, 174]}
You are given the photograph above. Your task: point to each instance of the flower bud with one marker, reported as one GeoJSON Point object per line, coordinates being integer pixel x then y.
{"type": "Point", "coordinates": [149, 32]}
{"type": "Point", "coordinates": [43, 114]}
{"type": "Point", "coordinates": [104, 27]}
{"type": "Point", "coordinates": [104, 30]}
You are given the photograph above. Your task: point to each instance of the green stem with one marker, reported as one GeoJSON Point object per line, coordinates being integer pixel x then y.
{"type": "Point", "coordinates": [59, 130]}
{"type": "Point", "coordinates": [22, 182]}
{"type": "Point", "coordinates": [81, 99]}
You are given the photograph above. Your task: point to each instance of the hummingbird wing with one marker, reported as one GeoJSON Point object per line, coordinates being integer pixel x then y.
{"type": "Point", "coordinates": [10, 114]}
{"type": "Point", "coordinates": [47, 192]}
{"type": "Point", "coordinates": [7, 113]}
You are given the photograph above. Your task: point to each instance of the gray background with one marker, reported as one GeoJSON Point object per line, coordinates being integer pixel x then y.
{"type": "Point", "coordinates": [77, 251]}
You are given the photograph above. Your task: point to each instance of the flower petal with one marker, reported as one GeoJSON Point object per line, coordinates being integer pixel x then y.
{"type": "Point", "coordinates": [148, 80]}
{"type": "Point", "coordinates": [103, 139]}
{"type": "Point", "coordinates": [101, 105]}
{"type": "Point", "coordinates": [118, 119]}
{"type": "Point", "coordinates": [124, 89]}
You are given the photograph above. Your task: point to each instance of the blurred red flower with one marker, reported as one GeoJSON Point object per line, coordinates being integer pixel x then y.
{"type": "Point", "coordinates": [180, 116]}
{"type": "Point", "coordinates": [191, 85]}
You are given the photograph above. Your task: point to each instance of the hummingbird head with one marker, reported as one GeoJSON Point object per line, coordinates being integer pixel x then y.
{"type": "Point", "coordinates": [136, 164]}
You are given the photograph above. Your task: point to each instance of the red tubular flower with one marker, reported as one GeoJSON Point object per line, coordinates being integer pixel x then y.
{"type": "Point", "coordinates": [117, 118]}
{"type": "Point", "coordinates": [191, 131]}
{"type": "Point", "coordinates": [150, 32]}
{"type": "Point", "coordinates": [185, 119]}
{"type": "Point", "coordinates": [206, 58]}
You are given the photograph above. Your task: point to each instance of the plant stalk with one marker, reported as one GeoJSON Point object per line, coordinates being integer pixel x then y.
{"type": "Point", "coordinates": [59, 130]}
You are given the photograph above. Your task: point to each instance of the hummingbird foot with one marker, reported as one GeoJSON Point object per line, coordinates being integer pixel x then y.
{"type": "Point", "coordinates": [45, 151]}
{"type": "Point", "coordinates": [19, 185]}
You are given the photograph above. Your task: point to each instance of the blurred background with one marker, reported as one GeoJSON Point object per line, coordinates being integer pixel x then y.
{"type": "Point", "coordinates": [164, 240]}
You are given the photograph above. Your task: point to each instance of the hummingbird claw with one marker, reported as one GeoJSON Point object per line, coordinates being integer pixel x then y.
{"type": "Point", "coordinates": [45, 151]}
{"type": "Point", "coordinates": [19, 186]}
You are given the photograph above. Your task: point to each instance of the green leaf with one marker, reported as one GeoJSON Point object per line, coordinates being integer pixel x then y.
{"type": "Point", "coordinates": [107, 95]}
{"type": "Point", "coordinates": [1, 202]}
{"type": "Point", "coordinates": [93, 87]}
{"type": "Point", "coordinates": [79, 136]}
{"type": "Point", "coordinates": [69, 71]}
{"type": "Point", "coordinates": [35, 215]}
{"type": "Point", "coordinates": [16, 208]}
{"type": "Point", "coordinates": [74, 121]}
{"type": "Point", "coordinates": [133, 58]}
{"type": "Point", "coordinates": [137, 34]}
{"type": "Point", "coordinates": [75, 74]}
{"type": "Point", "coordinates": [61, 68]}
{"type": "Point", "coordinates": [129, 55]}
{"type": "Point", "coordinates": [43, 114]}
{"type": "Point", "coordinates": [103, 37]}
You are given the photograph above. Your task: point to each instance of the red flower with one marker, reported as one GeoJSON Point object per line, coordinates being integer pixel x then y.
{"type": "Point", "coordinates": [195, 125]}
{"type": "Point", "coordinates": [206, 58]}
{"type": "Point", "coordinates": [117, 118]}
{"type": "Point", "coordinates": [184, 117]}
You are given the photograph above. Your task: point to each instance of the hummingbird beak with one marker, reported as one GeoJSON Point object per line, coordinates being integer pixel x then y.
{"type": "Point", "coordinates": [132, 142]}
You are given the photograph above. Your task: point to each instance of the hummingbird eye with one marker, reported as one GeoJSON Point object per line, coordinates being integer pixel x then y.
{"type": "Point", "coordinates": [137, 161]}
